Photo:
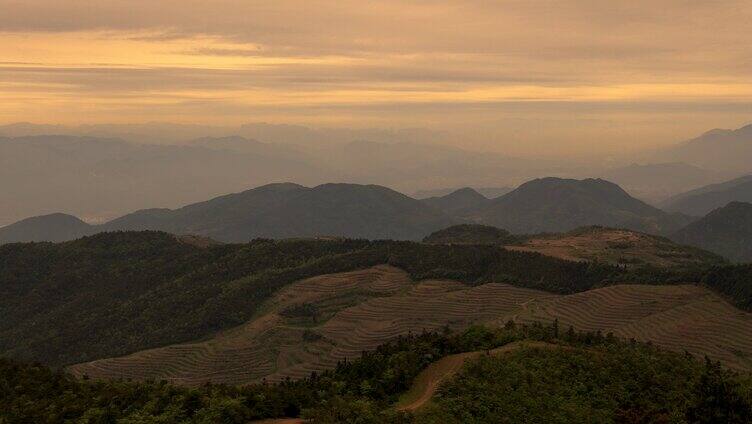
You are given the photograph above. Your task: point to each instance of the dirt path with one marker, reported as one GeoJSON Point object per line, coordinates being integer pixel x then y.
{"type": "Point", "coordinates": [428, 381]}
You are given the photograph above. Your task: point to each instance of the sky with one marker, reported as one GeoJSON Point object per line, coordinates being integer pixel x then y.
{"type": "Point", "coordinates": [530, 76]}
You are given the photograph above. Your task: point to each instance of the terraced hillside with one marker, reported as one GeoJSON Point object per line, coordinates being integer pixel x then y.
{"type": "Point", "coordinates": [679, 318]}
{"type": "Point", "coordinates": [313, 324]}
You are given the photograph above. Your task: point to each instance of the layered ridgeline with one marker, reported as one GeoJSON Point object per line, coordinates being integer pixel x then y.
{"type": "Point", "coordinates": [556, 205]}
{"type": "Point", "coordinates": [271, 211]}
{"type": "Point", "coordinates": [376, 212]}
{"type": "Point", "coordinates": [703, 200]}
{"type": "Point", "coordinates": [726, 231]}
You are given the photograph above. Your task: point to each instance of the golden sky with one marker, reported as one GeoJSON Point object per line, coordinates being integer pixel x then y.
{"type": "Point", "coordinates": [541, 74]}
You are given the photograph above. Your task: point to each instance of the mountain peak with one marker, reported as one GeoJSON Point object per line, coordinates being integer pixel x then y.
{"type": "Point", "coordinates": [555, 204]}
{"type": "Point", "coordinates": [53, 227]}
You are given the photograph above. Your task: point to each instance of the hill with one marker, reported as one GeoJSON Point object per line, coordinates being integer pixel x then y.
{"type": "Point", "coordinates": [487, 192]}
{"type": "Point", "coordinates": [616, 247]}
{"type": "Point", "coordinates": [726, 231]}
{"type": "Point", "coordinates": [311, 325]}
{"type": "Point", "coordinates": [55, 227]}
{"type": "Point", "coordinates": [290, 210]}
{"type": "Point", "coordinates": [274, 211]}
{"type": "Point", "coordinates": [557, 205]}
{"type": "Point", "coordinates": [701, 201]}
{"type": "Point", "coordinates": [540, 382]}
{"type": "Point", "coordinates": [457, 202]}
{"type": "Point", "coordinates": [471, 234]}
{"type": "Point", "coordinates": [115, 293]}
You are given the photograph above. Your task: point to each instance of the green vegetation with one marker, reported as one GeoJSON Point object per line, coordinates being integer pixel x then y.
{"type": "Point", "coordinates": [471, 234]}
{"type": "Point", "coordinates": [615, 383]}
{"type": "Point", "coordinates": [589, 374]}
{"type": "Point", "coordinates": [116, 293]}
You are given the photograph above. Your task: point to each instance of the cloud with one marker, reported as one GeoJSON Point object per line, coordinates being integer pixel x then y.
{"type": "Point", "coordinates": [290, 60]}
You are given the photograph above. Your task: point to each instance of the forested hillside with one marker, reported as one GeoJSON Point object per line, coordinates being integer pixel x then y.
{"type": "Point", "coordinates": [116, 293]}
{"type": "Point", "coordinates": [636, 383]}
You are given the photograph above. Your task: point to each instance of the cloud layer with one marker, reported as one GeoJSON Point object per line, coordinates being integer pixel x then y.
{"type": "Point", "coordinates": [576, 71]}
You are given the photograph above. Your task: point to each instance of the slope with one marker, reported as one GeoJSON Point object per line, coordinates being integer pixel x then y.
{"type": "Point", "coordinates": [726, 231]}
{"type": "Point", "coordinates": [701, 201]}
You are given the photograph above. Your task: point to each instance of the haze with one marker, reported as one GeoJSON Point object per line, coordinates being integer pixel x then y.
{"type": "Point", "coordinates": [519, 77]}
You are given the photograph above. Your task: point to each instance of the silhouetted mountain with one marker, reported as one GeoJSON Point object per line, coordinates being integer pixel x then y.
{"type": "Point", "coordinates": [716, 149]}
{"type": "Point", "coordinates": [98, 178]}
{"type": "Point", "coordinates": [701, 201]}
{"type": "Point", "coordinates": [457, 202]}
{"type": "Point", "coordinates": [726, 231]}
{"type": "Point", "coordinates": [487, 192]}
{"type": "Point", "coordinates": [276, 211]}
{"type": "Point", "coordinates": [657, 181]}
{"type": "Point", "coordinates": [556, 205]}
{"type": "Point", "coordinates": [55, 227]}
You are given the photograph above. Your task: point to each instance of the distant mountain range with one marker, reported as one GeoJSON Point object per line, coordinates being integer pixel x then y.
{"type": "Point", "coordinates": [557, 204]}
{"type": "Point", "coordinates": [290, 210]}
{"type": "Point", "coordinates": [726, 231]}
{"type": "Point", "coordinates": [271, 211]}
{"type": "Point", "coordinates": [99, 178]}
{"type": "Point", "coordinates": [701, 201]}
{"type": "Point", "coordinates": [721, 149]}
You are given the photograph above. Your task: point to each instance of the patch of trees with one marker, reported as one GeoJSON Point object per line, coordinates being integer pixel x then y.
{"type": "Point", "coordinates": [591, 373]}
{"type": "Point", "coordinates": [616, 383]}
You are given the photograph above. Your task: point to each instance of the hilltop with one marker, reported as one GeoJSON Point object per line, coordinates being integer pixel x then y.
{"type": "Point", "coordinates": [54, 227]}
{"type": "Point", "coordinates": [616, 247]}
{"type": "Point", "coordinates": [557, 204]}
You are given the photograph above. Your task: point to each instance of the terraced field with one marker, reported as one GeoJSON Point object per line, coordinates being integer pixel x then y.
{"type": "Point", "coordinates": [356, 311]}
{"type": "Point", "coordinates": [679, 318]}
{"type": "Point", "coordinates": [313, 324]}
